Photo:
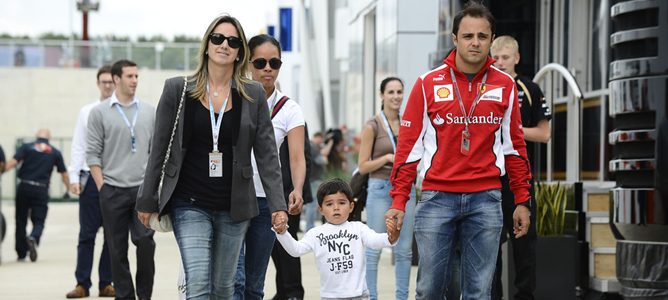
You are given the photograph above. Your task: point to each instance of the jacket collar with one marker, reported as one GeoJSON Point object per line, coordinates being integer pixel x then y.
{"type": "Point", "coordinates": [114, 100]}
{"type": "Point", "coordinates": [450, 61]}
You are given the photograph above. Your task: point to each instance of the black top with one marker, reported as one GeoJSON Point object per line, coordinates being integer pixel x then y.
{"type": "Point", "coordinates": [533, 109]}
{"type": "Point", "coordinates": [38, 159]}
{"type": "Point", "coordinates": [286, 173]}
{"type": "Point", "coordinates": [2, 155]}
{"type": "Point", "coordinates": [470, 76]}
{"type": "Point", "coordinates": [194, 182]}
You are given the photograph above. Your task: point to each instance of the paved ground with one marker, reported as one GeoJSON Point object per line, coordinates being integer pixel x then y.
{"type": "Point", "coordinates": [52, 276]}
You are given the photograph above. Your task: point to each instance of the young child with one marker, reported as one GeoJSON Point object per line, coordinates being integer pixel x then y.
{"type": "Point", "coordinates": [339, 245]}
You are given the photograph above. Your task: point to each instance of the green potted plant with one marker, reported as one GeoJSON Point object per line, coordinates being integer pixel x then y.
{"type": "Point", "coordinates": [556, 250]}
{"type": "Point", "coordinates": [551, 200]}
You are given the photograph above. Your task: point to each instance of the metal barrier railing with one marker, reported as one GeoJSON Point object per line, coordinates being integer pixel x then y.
{"type": "Point", "coordinates": [93, 54]}
{"type": "Point", "coordinates": [574, 120]}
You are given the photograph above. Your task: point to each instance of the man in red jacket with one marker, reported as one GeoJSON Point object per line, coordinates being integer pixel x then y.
{"type": "Point", "coordinates": [463, 121]}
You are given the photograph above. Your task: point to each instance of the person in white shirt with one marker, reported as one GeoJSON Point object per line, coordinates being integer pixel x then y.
{"type": "Point", "coordinates": [289, 128]}
{"type": "Point", "coordinates": [90, 217]}
{"type": "Point", "coordinates": [339, 245]}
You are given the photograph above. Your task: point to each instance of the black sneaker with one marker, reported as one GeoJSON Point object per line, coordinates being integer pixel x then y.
{"type": "Point", "coordinates": [32, 248]}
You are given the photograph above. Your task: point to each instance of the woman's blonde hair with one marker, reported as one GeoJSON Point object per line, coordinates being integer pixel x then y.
{"type": "Point", "coordinates": [239, 75]}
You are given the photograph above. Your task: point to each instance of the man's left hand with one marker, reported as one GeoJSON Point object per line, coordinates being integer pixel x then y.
{"type": "Point", "coordinates": [521, 221]}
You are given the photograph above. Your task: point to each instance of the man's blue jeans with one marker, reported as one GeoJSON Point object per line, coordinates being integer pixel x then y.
{"type": "Point", "coordinates": [209, 242]}
{"type": "Point", "coordinates": [443, 219]}
{"type": "Point", "coordinates": [254, 255]}
{"type": "Point", "coordinates": [378, 201]}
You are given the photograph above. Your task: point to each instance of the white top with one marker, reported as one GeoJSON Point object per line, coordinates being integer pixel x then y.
{"type": "Point", "coordinates": [78, 151]}
{"type": "Point", "coordinates": [340, 255]}
{"type": "Point", "coordinates": [289, 117]}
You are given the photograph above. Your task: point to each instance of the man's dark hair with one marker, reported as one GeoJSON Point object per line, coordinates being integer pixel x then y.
{"type": "Point", "coordinates": [117, 67]}
{"type": "Point", "coordinates": [473, 9]}
{"type": "Point", "coordinates": [260, 39]}
{"type": "Point", "coordinates": [102, 70]}
{"type": "Point", "coordinates": [333, 186]}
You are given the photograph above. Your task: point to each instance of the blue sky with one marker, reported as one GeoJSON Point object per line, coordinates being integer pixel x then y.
{"type": "Point", "coordinates": [131, 17]}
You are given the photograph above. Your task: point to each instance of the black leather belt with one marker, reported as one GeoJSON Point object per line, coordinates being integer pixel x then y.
{"type": "Point", "coordinates": [33, 183]}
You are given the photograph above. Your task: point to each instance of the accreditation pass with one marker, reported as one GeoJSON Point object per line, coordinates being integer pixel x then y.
{"type": "Point", "coordinates": [215, 164]}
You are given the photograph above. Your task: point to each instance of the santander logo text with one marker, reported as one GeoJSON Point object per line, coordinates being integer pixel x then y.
{"type": "Point", "coordinates": [438, 120]}
{"type": "Point", "coordinates": [450, 118]}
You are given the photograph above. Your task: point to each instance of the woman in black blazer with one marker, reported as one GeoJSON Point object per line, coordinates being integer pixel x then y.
{"type": "Point", "coordinates": [207, 187]}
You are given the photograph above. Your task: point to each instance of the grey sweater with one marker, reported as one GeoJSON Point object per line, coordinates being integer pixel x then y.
{"type": "Point", "coordinates": [109, 142]}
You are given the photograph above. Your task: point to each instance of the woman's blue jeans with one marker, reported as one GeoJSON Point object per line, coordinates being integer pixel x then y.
{"type": "Point", "coordinates": [209, 242]}
{"type": "Point", "coordinates": [378, 201]}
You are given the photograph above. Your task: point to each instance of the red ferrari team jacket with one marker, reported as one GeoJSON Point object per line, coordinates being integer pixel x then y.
{"type": "Point", "coordinates": [431, 131]}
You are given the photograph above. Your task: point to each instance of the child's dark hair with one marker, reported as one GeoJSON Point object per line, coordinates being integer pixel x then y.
{"type": "Point", "coordinates": [334, 186]}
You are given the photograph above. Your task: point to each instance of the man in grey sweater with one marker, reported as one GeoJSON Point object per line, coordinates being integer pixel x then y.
{"type": "Point", "coordinates": [118, 143]}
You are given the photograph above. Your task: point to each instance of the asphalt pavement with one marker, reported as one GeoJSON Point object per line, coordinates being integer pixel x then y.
{"type": "Point", "coordinates": [52, 275]}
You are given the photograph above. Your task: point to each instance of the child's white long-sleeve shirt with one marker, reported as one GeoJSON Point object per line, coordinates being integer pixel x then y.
{"type": "Point", "coordinates": [340, 255]}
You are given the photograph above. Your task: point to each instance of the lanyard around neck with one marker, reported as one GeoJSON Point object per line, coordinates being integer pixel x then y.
{"type": "Point", "coordinates": [390, 133]}
{"type": "Point", "coordinates": [461, 102]}
{"type": "Point", "coordinates": [130, 125]}
{"type": "Point", "coordinates": [215, 123]}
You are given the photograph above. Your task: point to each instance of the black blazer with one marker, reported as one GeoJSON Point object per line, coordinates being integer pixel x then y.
{"type": "Point", "coordinates": [255, 132]}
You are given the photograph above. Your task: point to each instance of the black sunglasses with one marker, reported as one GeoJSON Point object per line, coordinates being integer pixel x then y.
{"type": "Point", "coordinates": [232, 41]}
{"type": "Point", "coordinates": [260, 63]}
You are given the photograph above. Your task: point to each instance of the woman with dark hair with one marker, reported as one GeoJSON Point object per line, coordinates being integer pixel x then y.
{"type": "Point", "coordinates": [376, 156]}
{"type": "Point", "coordinates": [288, 125]}
{"type": "Point", "coordinates": [205, 129]}
{"type": "Point", "coordinates": [334, 152]}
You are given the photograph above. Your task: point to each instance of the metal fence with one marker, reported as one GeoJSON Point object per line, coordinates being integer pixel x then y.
{"type": "Point", "coordinates": [93, 54]}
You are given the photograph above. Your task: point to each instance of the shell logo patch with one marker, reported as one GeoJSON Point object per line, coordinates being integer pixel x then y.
{"type": "Point", "coordinates": [443, 93]}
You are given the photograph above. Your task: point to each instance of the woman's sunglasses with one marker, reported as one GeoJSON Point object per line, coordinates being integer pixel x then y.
{"type": "Point", "coordinates": [260, 63]}
{"type": "Point", "coordinates": [232, 41]}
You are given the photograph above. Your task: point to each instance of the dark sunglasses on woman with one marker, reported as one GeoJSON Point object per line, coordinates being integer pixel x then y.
{"type": "Point", "coordinates": [218, 38]}
{"type": "Point", "coordinates": [260, 63]}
